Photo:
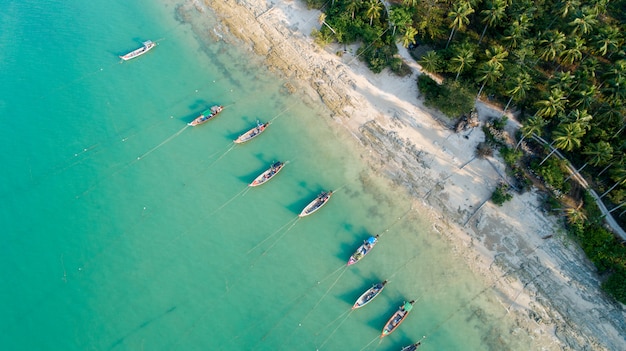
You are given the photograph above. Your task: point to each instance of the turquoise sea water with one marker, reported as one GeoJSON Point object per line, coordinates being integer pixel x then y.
{"type": "Point", "coordinates": [124, 229]}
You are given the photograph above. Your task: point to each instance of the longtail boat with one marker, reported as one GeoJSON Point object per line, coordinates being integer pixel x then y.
{"type": "Point", "coordinates": [412, 347]}
{"type": "Point", "coordinates": [369, 295]}
{"type": "Point", "coordinates": [397, 318]}
{"type": "Point", "coordinates": [207, 115]}
{"type": "Point", "coordinates": [268, 174]}
{"type": "Point", "coordinates": [252, 133]}
{"type": "Point", "coordinates": [316, 204]}
{"type": "Point", "coordinates": [363, 250]}
{"type": "Point", "coordinates": [147, 46]}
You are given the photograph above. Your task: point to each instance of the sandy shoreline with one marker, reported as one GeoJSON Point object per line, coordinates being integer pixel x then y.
{"type": "Point", "coordinates": [549, 288]}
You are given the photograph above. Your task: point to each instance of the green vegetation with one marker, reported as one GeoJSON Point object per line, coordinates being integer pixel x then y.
{"type": "Point", "coordinates": [561, 64]}
{"type": "Point", "coordinates": [501, 194]}
{"type": "Point", "coordinates": [450, 98]}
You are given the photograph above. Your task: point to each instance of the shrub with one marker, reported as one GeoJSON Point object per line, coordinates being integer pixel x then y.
{"type": "Point", "coordinates": [501, 194]}
{"type": "Point", "coordinates": [615, 285]}
{"type": "Point", "coordinates": [511, 156]}
{"type": "Point", "coordinates": [551, 172]}
{"type": "Point", "coordinates": [451, 97]}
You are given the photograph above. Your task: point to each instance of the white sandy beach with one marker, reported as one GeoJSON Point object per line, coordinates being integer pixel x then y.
{"type": "Point", "coordinates": [543, 280]}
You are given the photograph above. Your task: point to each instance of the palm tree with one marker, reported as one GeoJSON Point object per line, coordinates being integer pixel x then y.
{"type": "Point", "coordinates": [462, 61]}
{"type": "Point", "coordinates": [608, 40]}
{"type": "Point", "coordinates": [520, 85]}
{"type": "Point", "coordinates": [409, 37]}
{"type": "Point", "coordinates": [431, 61]}
{"type": "Point", "coordinates": [517, 30]}
{"type": "Point", "coordinates": [584, 22]}
{"type": "Point", "coordinates": [533, 126]}
{"type": "Point", "coordinates": [353, 6]}
{"type": "Point", "coordinates": [554, 104]}
{"type": "Point", "coordinates": [574, 51]}
{"type": "Point", "coordinates": [374, 7]}
{"type": "Point", "coordinates": [586, 96]}
{"type": "Point", "coordinates": [399, 17]}
{"type": "Point", "coordinates": [600, 154]}
{"type": "Point", "coordinates": [552, 44]}
{"type": "Point", "coordinates": [489, 72]}
{"type": "Point", "coordinates": [459, 16]}
{"type": "Point", "coordinates": [619, 176]}
{"type": "Point", "coordinates": [322, 20]}
{"type": "Point", "coordinates": [566, 137]}
{"type": "Point", "coordinates": [409, 3]}
{"type": "Point", "coordinates": [494, 13]}
{"type": "Point", "coordinates": [565, 7]}
{"type": "Point", "coordinates": [581, 117]}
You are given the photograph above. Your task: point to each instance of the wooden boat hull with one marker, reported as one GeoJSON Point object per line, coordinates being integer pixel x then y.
{"type": "Point", "coordinates": [369, 295]}
{"type": "Point", "coordinates": [412, 347]}
{"type": "Point", "coordinates": [268, 174]}
{"type": "Point", "coordinates": [252, 133]}
{"type": "Point", "coordinates": [316, 204]}
{"type": "Point", "coordinates": [206, 116]}
{"type": "Point", "coordinates": [358, 254]}
{"type": "Point", "coordinates": [396, 319]}
{"type": "Point", "coordinates": [147, 46]}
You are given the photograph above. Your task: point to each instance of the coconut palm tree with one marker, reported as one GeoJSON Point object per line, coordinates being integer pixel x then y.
{"type": "Point", "coordinates": [322, 20]}
{"type": "Point", "coordinates": [554, 104]}
{"type": "Point", "coordinates": [431, 61]}
{"type": "Point", "coordinates": [581, 117]}
{"type": "Point", "coordinates": [409, 3]}
{"type": "Point", "coordinates": [493, 15]}
{"type": "Point", "coordinates": [552, 44]}
{"type": "Point", "coordinates": [353, 6]}
{"type": "Point", "coordinates": [459, 16]}
{"type": "Point", "coordinates": [619, 176]}
{"type": "Point", "coordinates": [490, 72]}
{"type": "Point", "coordinates": [584, 22]}
{"type": "Point", "coordinates": [520, 85]}
{"type": "Point", "coordinates": [608, 40]}
{"type": "Point", "coordinates": [517, 30]}
{"type": "Point", "coordinates": [399, 17]}
{"type": "Point", "coordinates": [409, 36]}
{"type": "Point", "coordinates": [585, 96]}
{"type": "Point", "coordinates": [566, 137]}
{"type": "Point", "coordinates": [565, 7]}
{"type": "Point", "coordinates": [374, 8]}
{"type": "Point", "coordinates": [573, 51]}
{"type": "Point", "coordinates": [533, 126]}
{"type": "Point", "coordinates": [599, 153]}
{"type": "Point", "coordinates": [462, 61]}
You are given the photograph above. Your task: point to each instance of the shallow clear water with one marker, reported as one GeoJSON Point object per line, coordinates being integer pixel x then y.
{"type": "Point", "coordinates": [124, 229]}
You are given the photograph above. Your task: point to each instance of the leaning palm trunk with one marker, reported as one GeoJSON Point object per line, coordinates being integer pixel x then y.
{"type": "Point", "coordinates": [507, 105]}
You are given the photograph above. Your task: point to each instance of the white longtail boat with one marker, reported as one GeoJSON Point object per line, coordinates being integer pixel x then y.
{"type": "Point", "coordinates": [269, 174]}
{"type": "Point", "coordinates": [252, 133]}
{"type": "Point", "coordinates": [316, 204]}
{"type": "Point", "coordinates": [369, 295]}
{"type": "Point", "coordinates": [147, 46]}
{"type": "Point", "coordinates": [206, 115]}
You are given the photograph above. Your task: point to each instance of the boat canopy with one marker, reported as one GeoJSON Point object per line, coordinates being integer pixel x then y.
{"type": "Point", "coordinates": [408, 306]}
{"type": "Point", "coordinates": [371, 240]}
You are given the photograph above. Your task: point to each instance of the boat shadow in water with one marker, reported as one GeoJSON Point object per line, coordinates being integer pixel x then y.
{"type": "Point", "coordinates": [352, 295]}
{"type": "Point", "coordinates": [297, 206]}
{"type": "Point", "coordinates": [141, 326]}
{"type": "Point", "coordinates": [250, 176]}
{"type": "Point", "coordinates": [378, 322]}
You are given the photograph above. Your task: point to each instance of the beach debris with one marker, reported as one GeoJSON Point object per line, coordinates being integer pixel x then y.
{"type": "Point", "coordinates": [467, 122]}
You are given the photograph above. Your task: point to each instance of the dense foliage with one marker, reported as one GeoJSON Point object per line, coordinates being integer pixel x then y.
{"type": "Point", "coordinates": [560, 63]}
{"type": "Point", "coordinates": [501, 194]}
